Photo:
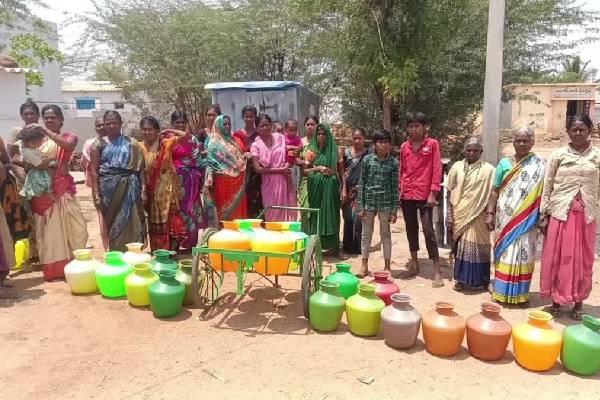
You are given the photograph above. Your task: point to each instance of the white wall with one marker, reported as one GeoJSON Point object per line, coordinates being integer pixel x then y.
{"type": "Point", "coordinates": [104, 101]}
{"type": "Point", "coordinates": [50, 92]}
{"type": "Point", "coordinates": [12, 95]}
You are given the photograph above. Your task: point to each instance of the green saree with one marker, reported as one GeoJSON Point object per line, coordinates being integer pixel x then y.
{"type": "Point", "coordinates": [324, 190]}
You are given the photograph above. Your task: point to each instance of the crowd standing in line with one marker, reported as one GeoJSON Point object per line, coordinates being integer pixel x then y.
{"type": "Point", "coordinates": [162, 190]}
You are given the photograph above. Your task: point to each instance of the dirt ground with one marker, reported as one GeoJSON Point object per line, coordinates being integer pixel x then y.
{"type": "Point", "coordinates": [56, 345]}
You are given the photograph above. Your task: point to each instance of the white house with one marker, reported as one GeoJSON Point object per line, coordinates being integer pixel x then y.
{"type": "Point", "coordinates": [12, 95]}
{"type": "Point", "coordinates": [84, 97]}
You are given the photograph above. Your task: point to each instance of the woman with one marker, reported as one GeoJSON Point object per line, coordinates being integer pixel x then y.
{"type": "Point", "coordinates": [324, 180]}
{"type": "Point", "coordinates": [269, 159]}
{"type": "Point", "coordinates": [210, 212]}
{"type": "Point", "coordinates": [226, 171]}
{"type": "Point", "coordinates": [353, 157]}
{"type": "Point", "coordinates": [310, 123]}
{"type": "Point", "coordinates": [86, 167]}
{"type": "Point", "coordinates": [248, 135]}
{"type": "Point", "coordinates": [165, 225]}
{"type": "Point", "coordinates": [470, 183]}
{"type": "Point", "coordinates": [569, 211]}
{"type": "Point", "coordinates": [7, 247]}
{"type": "Point", "coordinates": [60, 226]}
{"type": "Point", "coordinates": [188, 163]}
{"type": "Point", "coordinates": [119, 184]}
{"type": "Point", "coordinates": [518, 185]}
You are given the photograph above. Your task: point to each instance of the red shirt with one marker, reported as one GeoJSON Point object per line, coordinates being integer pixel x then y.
{"type": "Point", "coordinates": [421, 170]}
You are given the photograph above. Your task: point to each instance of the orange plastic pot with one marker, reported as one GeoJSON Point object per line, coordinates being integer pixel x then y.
{"type": "Point", "coordinates": [227, 239]}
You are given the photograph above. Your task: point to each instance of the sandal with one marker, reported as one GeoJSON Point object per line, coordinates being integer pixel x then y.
{"type": "Point", "coordinates": [458, 287]}
{"type": "Point", "coordinates": [6, 282]}
{"type": "Point", "coordinates": [363, 274]}
{"type": "Point", "coordinates": [409, 273]}
{"type": "Point", "coordinates": [555, 312]}
{"type": "Point", "coordinates": [576, 314]}
{"type": "Point", "coordinates": [524, 304]}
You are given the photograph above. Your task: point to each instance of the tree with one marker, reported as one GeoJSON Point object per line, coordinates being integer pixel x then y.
{"type": "Point", "coordinates": [28, 49]}
{"type": "Point", "coordinates": [424, 55]}
{"type": "Point", "coordinates": [576, 70]}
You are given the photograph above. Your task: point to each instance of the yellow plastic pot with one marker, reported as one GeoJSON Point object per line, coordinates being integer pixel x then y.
{"type": "Point", "coordinates": [536, 343]}
{"type": "Point", "coordinates": [137, 283]}
{"type": "Point", "coordinates": [273, 242]}
{"type": "Point", "coordinates": [227, 239]}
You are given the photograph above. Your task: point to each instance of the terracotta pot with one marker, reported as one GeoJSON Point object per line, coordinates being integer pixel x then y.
{"type": "Point", "coordinates": [488, 333]}
{"type": "Point", "coordinates": [401, 322]}
{"type": "Point", "coordinates": [443, 330]}
{"type": "Point", "coordinates": [384, 286]}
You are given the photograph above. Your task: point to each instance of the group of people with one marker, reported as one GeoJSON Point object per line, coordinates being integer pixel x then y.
{"type": "Point", "coordinates": [519, 199]}
{"type": "Point", "coordinates": [165, 188]}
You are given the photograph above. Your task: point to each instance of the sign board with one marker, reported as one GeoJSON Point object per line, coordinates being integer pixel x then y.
{"type": "Point", "coordinates": [574, 92]}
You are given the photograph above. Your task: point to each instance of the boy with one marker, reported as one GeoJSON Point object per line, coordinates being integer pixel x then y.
{"type": "Point", "coordinates": [378, 195]}
{"type": "Point", "coordinates": [420, 177]}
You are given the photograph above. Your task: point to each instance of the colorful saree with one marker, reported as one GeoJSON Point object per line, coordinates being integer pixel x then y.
{"type": "Point", "coordinates": [253, 180]}
{"type": "Point", "coordinates": [277, 190]}
{"type": "Point", "coordinates": [190, 169]}
{"type": "Point", "coordinates": [226, 164]}
{"type": "Point", "coordinates": [165, 225]}
{"type": "Point", "coordinates": [517, 214]}
{"type": "Point", "coordinates": [121, 163]}
{"type": "Point", "coordinates": [324, 191]}
{"type": "Point", "coordinates": [7, 248]}
{"type": "Point", "coordinates": [14, 208]}
{"type": "Point", "coordinates": [470, 186]}
{"type": "Point", "coordinates": [60, 226]}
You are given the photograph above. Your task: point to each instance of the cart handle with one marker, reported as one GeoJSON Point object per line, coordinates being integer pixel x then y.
{"type": "Point", "coordinates": [301, 209]}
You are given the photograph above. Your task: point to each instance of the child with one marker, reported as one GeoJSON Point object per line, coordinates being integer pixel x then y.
{"type": "Point", "coordinates": [278, 127]}
{"type": "Point", "coordinates": [378, 195]}
{"type": "Point", "coordinates": [421, 176]}
{"type": "Point", "coordinates": [293, 146]}
{"type": "Point", "coordinates": [37, 181]}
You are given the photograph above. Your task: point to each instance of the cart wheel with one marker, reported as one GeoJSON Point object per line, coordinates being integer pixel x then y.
{"type": "Point", "coordinates": [206, 282]}
{"type": "Point", "coordinates": [311, 270]}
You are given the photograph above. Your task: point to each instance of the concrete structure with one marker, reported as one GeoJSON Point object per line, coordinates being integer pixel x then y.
{"type": "Point", "coordinates": [49, 92]}
{"type": "Point", "coordinates": [547, 107]}
{"type": "Point", "coordinates": [281, 100]}
{"type": "Point", "coordinates": [493, 82]}
{"type": "Point", "coordinates": [84, 97]}
{"type": "Point", "coordinates": [12, 95]}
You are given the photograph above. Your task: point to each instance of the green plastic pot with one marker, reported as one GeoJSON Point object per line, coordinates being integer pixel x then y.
{"type": "Point", "coordinates": [162, 260]}
{"type": "Point", "coordinates": [363, 311]}
{"type": "Point", "coordinates": [166, 295]}
{"type": "Point", "coordinates": [326, 307]}
{"type": "Point", "coordinates": [581, 347]}
{"type": "Point", "coordinates": [346, 279]}
{"type": "Point", "coordinates": [111, 275]}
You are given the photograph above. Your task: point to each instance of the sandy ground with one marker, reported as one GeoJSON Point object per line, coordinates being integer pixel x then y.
{"type": "Point", "coordinates": [58, 346]}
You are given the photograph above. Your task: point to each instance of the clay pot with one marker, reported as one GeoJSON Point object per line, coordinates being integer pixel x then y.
{"type": "Point", "coordinates": [384, 286]}
{"type": "Point", "coordinates": [401, 322]}
{"type": "Point", "coordinates": [536, 343]}
{"type": "Point", "coordinates": [363, 311]}
{"type": "Point", "coordinates": [443, 330]}
{"type": "Point", "coordinates": [488, 333]}
{"type": "Point", "coordinates": [581, 347]}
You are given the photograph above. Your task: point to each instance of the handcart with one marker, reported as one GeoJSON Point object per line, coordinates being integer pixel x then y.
{"type": "Point", "coordinates": [308, 258]}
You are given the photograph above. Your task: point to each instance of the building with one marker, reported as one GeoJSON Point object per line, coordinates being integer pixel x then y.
{"type": "Point", "coordinates": [12, 95]}
{"type": "Point", "coordinates": [82, 98]}
{"type": "Point", "coordinates": [547, 107]}
{"type": "Point", "coordinates": [281, 100]}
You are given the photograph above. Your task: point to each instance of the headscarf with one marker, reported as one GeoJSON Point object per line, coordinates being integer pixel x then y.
{"type": "Point", "coordinates": [224, 156]}
{"type": "Point", "coordinates": [328, 156]}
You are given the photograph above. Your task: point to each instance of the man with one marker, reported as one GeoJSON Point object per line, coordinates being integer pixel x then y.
{"type": "Point", "coordinates": [420, 177]}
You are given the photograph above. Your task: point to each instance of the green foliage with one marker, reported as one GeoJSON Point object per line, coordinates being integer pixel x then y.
{"type": "Point", "coordinates": [426, 55]}
{"type": "Point", "coordinates": [30, 52]}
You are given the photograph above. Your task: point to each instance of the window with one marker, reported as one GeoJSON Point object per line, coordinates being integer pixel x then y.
{"type": "Point", "coordinates": [119, 105]}
{"type": "Point", "coordinates": [85, 104]}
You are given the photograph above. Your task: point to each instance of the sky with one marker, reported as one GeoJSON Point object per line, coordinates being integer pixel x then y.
{"type": "Point", "coordinates": [61, 10]}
